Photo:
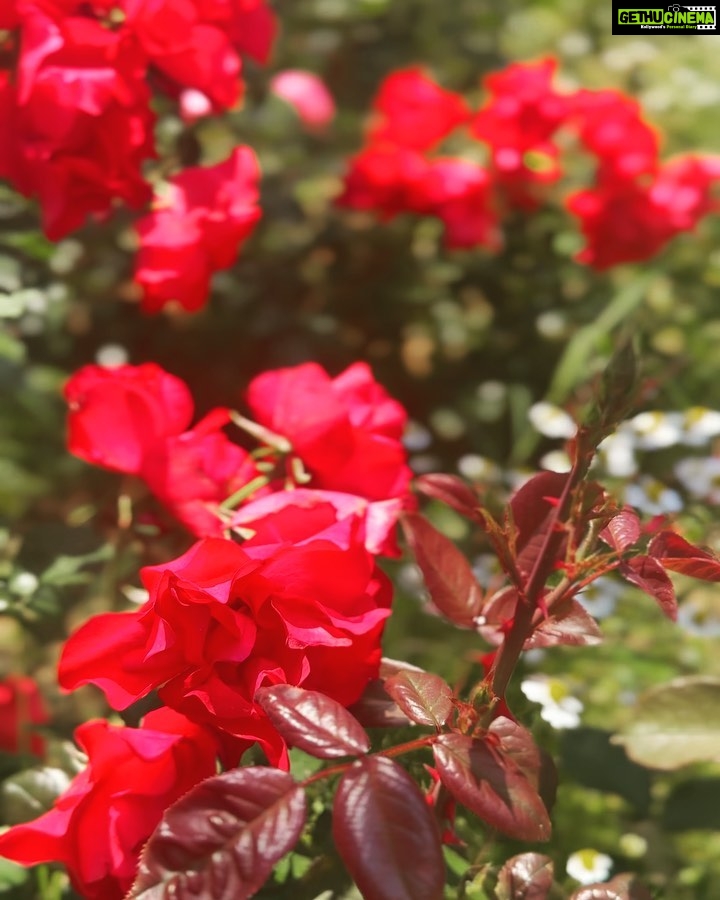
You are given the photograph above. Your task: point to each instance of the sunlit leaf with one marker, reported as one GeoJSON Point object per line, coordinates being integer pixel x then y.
{"type": "Point", "coordinates": [675, 724]}
{"type": "Point", "coordinates": [313, 721]}
{"type": "Point", "coordinates": [423, 697]}
{"type": "Point", "coordinates": [678, 555]}
{"type": "Point", "coordinates": [623, 530]}
{"type": "Point", "coordinates": [451, 490]}
{"type": "Point", "coordinates": [386, 834]}
{"type": "Point", "coordinates": [448, 575]}
{"type": "Point", "coordinates": [647, 574]}
{"type": "Point", "coordinates": [528, 876]}
{"type": "Point", "coordinates": [622, 887]}
{"type": "Point", "coordinates": [223, 838]}
{"type": "Point", "coordinates": [497, 778]}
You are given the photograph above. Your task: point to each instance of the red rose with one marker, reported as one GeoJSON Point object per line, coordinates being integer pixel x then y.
{"type": "Point", "coordinates": [386, 179]}
{"type": "Point", "coordinates": [99, 825]}
{"type": "Point", "coordinates": [302, 514]}
{"type": "Point", "coordinates": [460, 194]}
{"type": "Point", "coordinates": [414, 112]}
{"type": "Point", "coordinates": [518, 122]}
{"type": "Point", "coordinates": [210, 212]}
{"type": "Point", "coordinates": [346, 430]}
{"type": "Point", "coordinates": [21, 707]}
{"type": "Point", "coordinates": [611, 126]}
{"type": "Point", "coordinates": [79, 119]}
{"type": "Point", "coordinates": [134, 419]}
{"type": "Point", "coordinates": [185, 48]}
{"type": "Point", "coordinates": [221, 621]}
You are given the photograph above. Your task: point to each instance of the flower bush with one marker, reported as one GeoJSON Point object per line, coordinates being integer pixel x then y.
{"type": "Point", "coordinates": [211, 577]}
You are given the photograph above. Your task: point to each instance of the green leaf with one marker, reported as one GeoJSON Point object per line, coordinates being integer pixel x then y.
{"type": "Point", "coordinates": [675, 724]}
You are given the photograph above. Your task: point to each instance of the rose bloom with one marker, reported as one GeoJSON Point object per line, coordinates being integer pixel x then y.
{"type": "Point", "coordinates": [98, 827]}
{"type": "Point", "coordinates": [346, 430]}
{"type": "Point", "coordinates": [21, 707]}
{"type": "Point", "coordinates": [210, 211]}
{"type": "Point", "coordinates": [134, 419]}
{"type": "Point", "coordinates": [78, 124]}
{"type": "Point", "coordinates": [223, 620]}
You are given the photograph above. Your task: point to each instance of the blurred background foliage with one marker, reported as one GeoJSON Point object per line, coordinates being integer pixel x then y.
{"type": "Point", "coordinates": [467, 340]}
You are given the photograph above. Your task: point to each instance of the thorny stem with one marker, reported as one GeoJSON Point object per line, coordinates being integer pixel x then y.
{"type": "Point", "coordinates": [509, 651]}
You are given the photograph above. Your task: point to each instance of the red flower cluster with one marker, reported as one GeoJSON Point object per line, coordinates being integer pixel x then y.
{"type": "Point", "coordinates": [638, 203]}
{"type": "Point", "coordinates": [75, 110]}
{"type": "Point", "coordinates": [197, 230]}
{"type": "Point", "coordinates": [346, 432]}
{"type": "Point", "coordinates": [635, 207]}
{"type": "Point", "coordinates": [99, 825]}
{"type": "Point", "coordinates": [21, 710]}
{"type": "Point", "coordinates": [223, 620]}
{"type": "Point", "coordinates": [300, 601]}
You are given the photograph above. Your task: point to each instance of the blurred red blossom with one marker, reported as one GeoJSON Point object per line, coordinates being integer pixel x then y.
{"type": "Point", "coordinates": [346, 430]}
{"type": "Point", "coordinates": [98, 827]}
{"type": "Point", "coordinates": [76, 108]}
{"type": "Point", "coordinates": [518, 122]}
{"type": "Point", "coordinates": [222, 621]}
{"type": "Point", "coordinates": [630, 221]}
{"type": "Point", "coordinates": [412, 111]}
{"type": "Point", "coordinates": [197, 230]}
{"type": "Point", "coordinates": [77, 121]}
{"type": "Point", "coordinates": [21, 709]}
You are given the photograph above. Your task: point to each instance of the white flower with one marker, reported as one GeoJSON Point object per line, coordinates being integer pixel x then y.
{"type": "Point", "coordinates": [653, 497]}
{"type": "Point", "coordinates": [589, 866]}
{"type": "Point", "coordinates": [479, 468]}
{"type": "Point", "coordinates": [700, 476]}
{"type": "Point", "coordinates": [654, 430]}
{"type": "Point", "coordinates": [551, 421]}
{"type": "Point", "coordinates": [559, 708]}
{"type": "Point", "coordinates": [600, 597]}
{"type": "Point", "coordinates": [556, 461]}
{"type": "Point", "coordinates": [617, 453]}
{"type": "Point", "coordinates": [699, 425]}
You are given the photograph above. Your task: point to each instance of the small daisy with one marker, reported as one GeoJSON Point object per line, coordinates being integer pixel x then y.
{"type": "Point", "coordinates": [617, 454]}
{"type": "Point", "coordinates": [556, 461]}
{"type": "Point", "coordinates": [653, 497]}
{"type": "Point", "coordinates": [700, 476]}
{"type": "Point", "coordinates": [589, 866]}
{"type": "Point", "coordinates": [551, 421]}
{"type": "Point", "coordinates": [559, 708]}
{"type": "Point", "coordinates": [654, 430]}
{"type": "Point", "coordinates": [700, 425]}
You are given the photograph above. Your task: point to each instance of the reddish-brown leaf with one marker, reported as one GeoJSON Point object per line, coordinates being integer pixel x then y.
{"type": "Point", "coordinates": [375, 709]}
{"type": "Point", "coordinates": [221, 840]}
{"type": "Point", "coordinates": [571, 626]}
{"type": "Point", "coordinates": [623, 530]}
{"type": "Point", "coordinates": [451, 490]}
{"type": "Point", "coordinates": [647, 574]}
{"type": "Point", "coordinates": [449, 578]}
{"type": "Point", "coordinates": [532, 509]}
{"type": "Point", "coordinates": [622, 887]}
{"type": "Point", "coordinates": [528, 876]}
{"type": "Point", "coordinates": [678, 555]}
{"type": "Point", "coordinates": [497, 778]}
{"type": "Point", "coordinates": [313, 722]}
{"type": "Point", "coordinates": [386, 833]}
{"type": "Point", "coordinates": [423, 697]}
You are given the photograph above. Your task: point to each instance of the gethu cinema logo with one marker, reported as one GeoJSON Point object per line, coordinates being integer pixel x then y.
{"type": "Point", "coordinates": [676, 15]}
